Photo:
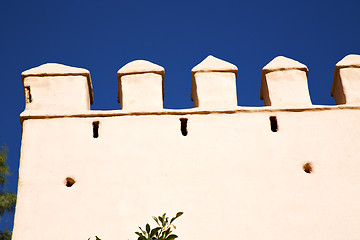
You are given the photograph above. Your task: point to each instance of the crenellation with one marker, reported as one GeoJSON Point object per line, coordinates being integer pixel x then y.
{"type": "Point", "coordinates": [284, 83]}
{"type": "Point", "coordinates": [346, 83]}
{"type": "Point", "coordinates": [213, 86]}
{"type": "Point", "coordinates": [55, 87]}
{"type": "Point", "coordinates": [289, 170]}
{"type": "Point", "coordinates": [141, 86]}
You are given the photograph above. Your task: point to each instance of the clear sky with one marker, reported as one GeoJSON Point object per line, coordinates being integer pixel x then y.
{"type": "Point", "coordinates": [102, 36]}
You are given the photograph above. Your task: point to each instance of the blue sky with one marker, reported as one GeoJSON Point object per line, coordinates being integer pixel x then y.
{"type": "Point", "coordinates": [102, 36]}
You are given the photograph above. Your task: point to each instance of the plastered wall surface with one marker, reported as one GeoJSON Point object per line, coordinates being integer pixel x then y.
{"type": "Point", "coordinates": [48, 92]}
{"type": "Point", "coordinates": [235, 173]}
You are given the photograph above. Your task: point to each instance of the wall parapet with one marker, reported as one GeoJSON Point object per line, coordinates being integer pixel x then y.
{"type": "Point", "coordinates": [58, 88]}
{"type": "Point", "coordinates": [252, 166]}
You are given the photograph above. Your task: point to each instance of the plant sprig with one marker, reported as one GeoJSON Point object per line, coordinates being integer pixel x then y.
{"type": "Point", "coordinates": [96, 238]}
{"type": "Point", "coordinates": [162, 232]}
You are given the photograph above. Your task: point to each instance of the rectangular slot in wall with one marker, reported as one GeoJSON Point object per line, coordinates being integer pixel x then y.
{"type": "Point", "coordinates": [28, 97]}
{"type": "Point", "coordinates": [274, 124]}
{"type": "Point", "coordinates": [95, 129]}
{"type": "Point", "coordinates": [183, 126]}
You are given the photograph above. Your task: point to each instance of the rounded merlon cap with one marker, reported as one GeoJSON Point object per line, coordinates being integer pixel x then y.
{"type": "Point", "coordinates": [213, 64]}
{"type": "Point", "coordinates": [56, 69]}
{"type": "Point", "coordinates": [283, 63]}
{"type": "Point", "coordinates": [349, 61]}
{"type": "Point", "coordinates": [140, 66]}
{"type": "Point", "coordinates": [280, 63]}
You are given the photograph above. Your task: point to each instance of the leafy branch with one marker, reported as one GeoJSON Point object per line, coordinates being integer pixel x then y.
{"type": "Point", "coordinates": [162, 232]}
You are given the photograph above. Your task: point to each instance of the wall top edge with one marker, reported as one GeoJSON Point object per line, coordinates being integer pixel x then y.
{"type": "Point", "coordinates": [31, 114]}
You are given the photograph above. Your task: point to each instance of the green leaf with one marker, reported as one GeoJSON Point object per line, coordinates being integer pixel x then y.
{"type": "Point", "coordinates": [142, 231]}
{"type": "Point", "coordinates": [177, 215]}
{"type": "Point", "coordinates": [154, 231]}
{"type": "Point", "coordinates": [166, 233]}
{"type": "Point", "coordinates": [164, 222]}
{"type": "Point", "coordinates": [139, 234]}
{"type": "Point", "coordinates": [147, 228]}
{"type": "Point", "coordinates": [171, 237]}
{"type": "Point", "coordinates": [161, 220]}
{"type": "Point", "coordinates": [97, 238]}
{"type": "Point", "coordinates": [156, 220]}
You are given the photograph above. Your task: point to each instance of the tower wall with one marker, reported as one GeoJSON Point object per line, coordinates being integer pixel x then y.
{"type": "Point", "coordinates": [240, 173]}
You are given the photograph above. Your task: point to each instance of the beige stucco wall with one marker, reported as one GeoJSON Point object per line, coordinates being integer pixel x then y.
{"type": "Point", "coordinates": [57, 93]}
{"type": "Point", "coordinates": [231, 175]}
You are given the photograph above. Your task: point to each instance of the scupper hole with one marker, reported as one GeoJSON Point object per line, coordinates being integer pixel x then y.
{"type": "Point", "coordinates": [183, 126]}
{"type": "Point", "coordinates": [274, 124]}
{"type": "Point", "coordinates": [69, 182]}
{"type": "Point", "coordinates": [96, 129]}
{"type": "Point", "coordinates": [307, 168]}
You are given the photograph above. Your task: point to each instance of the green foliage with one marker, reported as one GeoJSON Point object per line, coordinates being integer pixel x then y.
{"type": "Point", "coordinates": [96, 238]}
{"type": "Point", "coordinates": [6, 235]}
{"type": "Point", "coordinates": [7, 199]}
{"type": "Point", "coordinates": [4, 168]}
{"type": "Point", "coordinates": [161, 232]}
{"type": "Point", "coordinates": [7, 202]}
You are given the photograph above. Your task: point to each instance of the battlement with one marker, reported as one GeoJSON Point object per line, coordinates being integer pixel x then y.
{"type": "Point", "coordinates": [289, 170]}
{"type": "Point", "coordinates": [55, 88]}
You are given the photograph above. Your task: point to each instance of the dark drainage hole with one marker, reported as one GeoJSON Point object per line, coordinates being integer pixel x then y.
{"type": "Point", "coordinates": [96, 129]}
{"type": "Point", "coordinates": [307, 168]}
{"type": "Point", "coordinates": [183, 126]}
{"type": "Point", "coordinates": [69, 182]}
{"type": "Point", "coordinates": [274, 124]}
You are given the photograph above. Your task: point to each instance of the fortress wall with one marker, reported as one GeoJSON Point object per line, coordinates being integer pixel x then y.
{"type": "Point", "coordinates": [235, 175]}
